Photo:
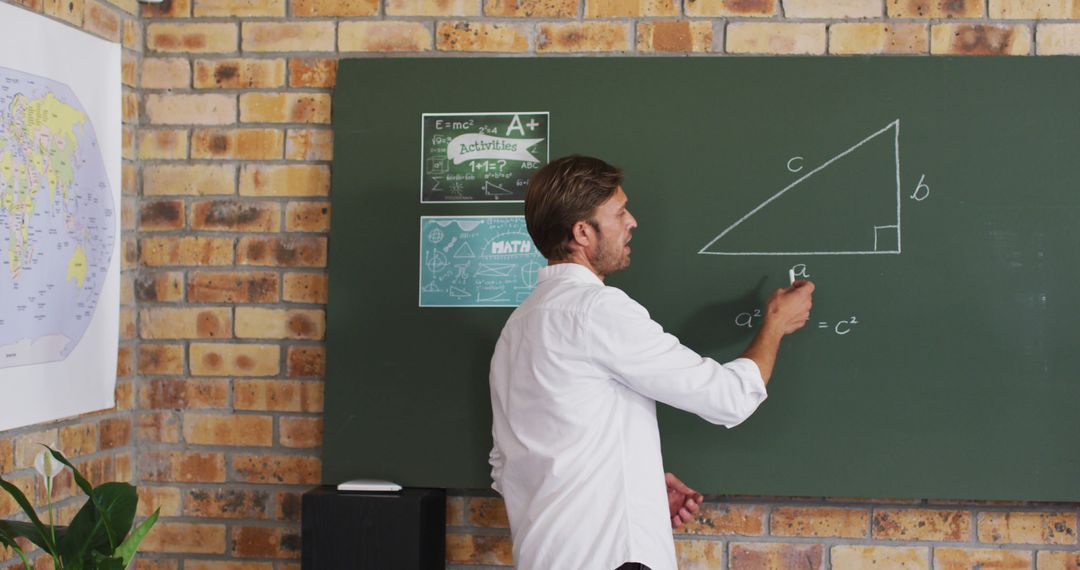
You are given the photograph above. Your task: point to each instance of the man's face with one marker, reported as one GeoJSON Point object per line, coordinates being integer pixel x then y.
{"type": "Point", "coordinates": [614, 221]}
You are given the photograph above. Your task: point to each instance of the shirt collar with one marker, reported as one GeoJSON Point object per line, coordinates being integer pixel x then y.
{"type": "Point", "coordinates": [571, 271]}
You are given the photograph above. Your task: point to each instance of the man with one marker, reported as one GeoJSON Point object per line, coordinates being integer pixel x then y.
{"type": "Point", "coordinates": [575, 378]}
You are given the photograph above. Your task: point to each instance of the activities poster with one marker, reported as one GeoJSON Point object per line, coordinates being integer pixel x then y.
{"type": "Point", "coordinates": [481, 157]}
{"type": "Point", "coordinates": [476, 261]}
{"type": "Point", "coordinates": [59, 219]}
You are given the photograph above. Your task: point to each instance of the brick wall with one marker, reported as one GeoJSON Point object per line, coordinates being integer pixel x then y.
{"type": "Point", "coordinates": [226, 212]}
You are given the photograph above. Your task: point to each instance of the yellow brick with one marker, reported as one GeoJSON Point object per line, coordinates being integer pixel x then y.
{"type": "Point", "coordinates": [307, 8]}
{"type": "Point", "coordinates": [630, 8]}
{"type": "Point", "coordinates": [170, 323]}
{"type": "Point", "coordinates": [736, 8]}
{"type": "Point", "coordinates": [252, 322]}
{"type": "Point", "coordinates": [165, 73]}
{"type": "Point", "coordinates": [675, 36]}
{"type": "Point", "coordinates": [1027, 528]}
{"type": "Point", "coordinates": [70, 11]}
{"type": "Point", "coordinates": [128, 330]}
{"type": "Point", "coordinates": [832, 9]}
{"type": "Point", "coordinates": [531, 8]}
{"type": "Point", "coordinates": [208, 109]}
{"type": "Point", "coordinates": [776, 38]}
{"type": "Point", "coordinates": [289, 180]}
{"type": "Point", "coordinates": [239, 8]}
{"type": "Point", "coordinates": [165, 286]}
{"type": "Point", "coordinates": [432, 7]}
{"type": "Point", "coordinates": [161, 359]}
{"type": "Point", "coordinates": [727, 519]}
{"type": "Point", "coordinates": [285, 108]}
{"type": "Point", "coordinates": [1034, 9]}
{"type": "Point", "coordinates": [189, 180]}
{"type": "Point", "coordinates": [101, 20]}
{"type": "Point", "coordinates": [130, 107]}
{"type": "Point", "coordinates": [583, 37]}
{"type": "Point", "coordinates": [288, 36]}
{"type": "Point", "coordinates": [699, 554]}
{"type": "Point", "coordinates": [921, 524]}
{"type": "Point", "coordinates": [383, 36]}
{"type": "Point", "coordinates": [239, 73]}
{"type": "Point", "coordinates": [852, 557]}
{"type": "Point", "coordinates": [980, 39]}
{"type": "Point", "coordinates": [300, 432]}
{"type": "Point", "coordinates": [234, 359]}
{"type": "Point", "coordinates": [129, 6]}
{"type": "Point", "coordinates": [875, 38]}
{"type": "Point", "coordinates": [966, 559]}
{"type": "Point", "coordinates": [934, 8]}
{"type": "Point", "coordinates": [481, 37]}
{"type": "Point", "coordinates": [132, 36]}
{"type": "Point", "coordinates": [210, 429]}
{"type": "Point", "coordinates": [307, 217]}
{"type": "Point", "coordinates": [282, 252]}
{"type": "Point", "coordinates": [163, 144]}
{"type": "Point", "coordinates": [776, 555]}
{"type": "Point", "coordinates": [78, 439]}
{"type": "Point", "coordinates": [129, 68]}
{"type": "Point", "coordinates": [127, 143]}
{"type": "Point", "coordinates": [160, 215]}
{"type": "Point", "coordinates": [189, 538]}
{"type": "Point", "coordinates": [188, 250]}
{"type": "Point", "coordinates": [236, 216]}
{"type": "Point", "coordinates": [165, 498]}
{"type": "Point", "coordinates": [1050, 560]}
{"type": "Point", "coordinates": [479, 549]}
{"type": "Point", "coordinates": [487, 512]}
{"type": "Point", "coordinates": [191, 38]}
{"type": "Point", "coordinates": [167, 9]}
{"type": "Point", "coordinates": [278, 395]}
{"type": "Point", "coordinates": [819, 522]}
{"type": "Point", "coordinates": [1058, 39]}
{"type": "Point", "coordinates": [237, 144]}
{"type": "Point", "coordinates": [309, 144]}
{"type": "Point", "coordinates": [314, 72]}
{"type": "Point", "coordinates": [305, 287]}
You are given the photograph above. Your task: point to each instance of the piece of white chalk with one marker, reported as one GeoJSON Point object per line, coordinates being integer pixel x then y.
{"type": "Point", "coordinates": [791, 276]}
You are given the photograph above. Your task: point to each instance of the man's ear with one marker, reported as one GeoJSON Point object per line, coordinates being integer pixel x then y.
{"type": "Point", "coordinates": [582, 234]}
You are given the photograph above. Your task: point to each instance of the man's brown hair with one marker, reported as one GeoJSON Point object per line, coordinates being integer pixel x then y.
{"type": "Point", "coordinates": [562, 193]}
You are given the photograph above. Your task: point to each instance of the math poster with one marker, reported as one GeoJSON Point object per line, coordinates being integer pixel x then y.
{"type": "Point", "coordinates": [476, 261]}
{"type": "Point", "coordinates": [481, 157]}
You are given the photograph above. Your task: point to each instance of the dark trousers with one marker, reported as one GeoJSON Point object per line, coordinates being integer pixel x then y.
{"type": "Point", "coordinates": [633, 566]}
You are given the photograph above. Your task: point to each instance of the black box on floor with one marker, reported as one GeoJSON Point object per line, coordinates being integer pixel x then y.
{"type": "Point", "coordinates": [405, 530]}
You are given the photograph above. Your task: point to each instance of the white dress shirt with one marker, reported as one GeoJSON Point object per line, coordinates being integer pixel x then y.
{"type": "Point", "coordinates": [575, 379]}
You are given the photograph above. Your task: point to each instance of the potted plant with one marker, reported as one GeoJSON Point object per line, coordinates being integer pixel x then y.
{"type": "Point", "coordinates": [99, 536]}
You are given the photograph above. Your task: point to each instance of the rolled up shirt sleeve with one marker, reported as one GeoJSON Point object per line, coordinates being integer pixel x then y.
{"type": "Point", "coordinates": [637, 352]}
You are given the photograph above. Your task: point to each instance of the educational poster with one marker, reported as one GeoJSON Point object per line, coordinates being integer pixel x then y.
{"type": "Point", "coordinates": [481, 157]}
{"type": "Point", "coordinates": [59, 219]}
{"type": "Point", "coordinates": [476, 261]}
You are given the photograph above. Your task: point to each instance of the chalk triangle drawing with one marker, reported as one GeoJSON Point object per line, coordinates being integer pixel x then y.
{"type": "Point", "coordinates": [849, 205]}
{"type": "Point", "coordinates": [464, 252]}
{"type": "Point", "coordinates": [459, 292]}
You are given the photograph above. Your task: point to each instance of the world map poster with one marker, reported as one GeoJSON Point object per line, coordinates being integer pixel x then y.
{"type": "Point", "coordinates": [59, 219]}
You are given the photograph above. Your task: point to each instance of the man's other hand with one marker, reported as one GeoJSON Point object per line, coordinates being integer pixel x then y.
{"type": "Point", "coordinates": [682, 500]}
{"type": "Point", "coordinates": [790, 308]}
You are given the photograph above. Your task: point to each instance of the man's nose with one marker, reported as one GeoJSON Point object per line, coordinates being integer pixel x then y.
{"type": "Point", "coordinates": [633, 221]}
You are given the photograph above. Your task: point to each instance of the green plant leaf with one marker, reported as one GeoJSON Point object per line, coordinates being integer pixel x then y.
{"type": "Point", "coordinates": [79, 479]}
{"type": "Point", "coordinates": [116, 503]}
{"type": "Point", "coordinates": [102, 562]}
{"type": "Point", "coordinates": [79, 537]}
{"type": "Point", "coordinates": [40, 534]}
{"type": "Point", "coordinates": [130, 546]}
{"type": "Point", "coordinates": [112, 506]}
{"type": "Point", "coordinates": [8, 540]}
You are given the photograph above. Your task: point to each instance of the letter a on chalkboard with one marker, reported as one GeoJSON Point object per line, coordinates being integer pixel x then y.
{"type": "Point", "coordinates": [848, 205]}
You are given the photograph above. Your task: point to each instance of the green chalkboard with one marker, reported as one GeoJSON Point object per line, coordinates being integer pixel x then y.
{"type": "Point", "coordinates": [934, 201]}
